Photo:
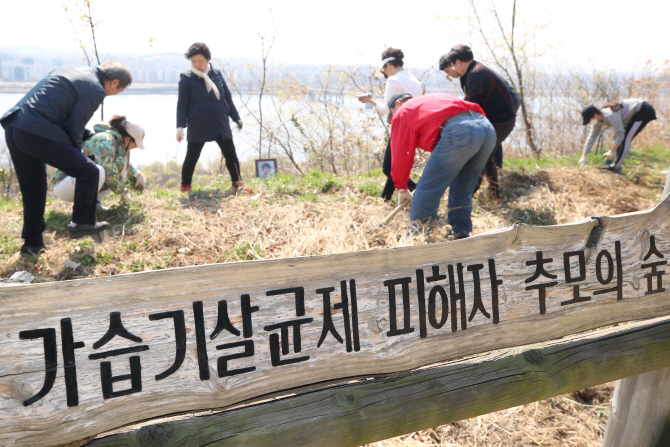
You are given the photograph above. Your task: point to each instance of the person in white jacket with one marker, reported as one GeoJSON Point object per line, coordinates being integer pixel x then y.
{"type": "Point", "coordinates": [397, 81]}
{"type": "Point", "coordinates": [627, 118]}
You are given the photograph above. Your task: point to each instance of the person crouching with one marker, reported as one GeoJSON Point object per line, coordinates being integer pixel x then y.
{"type": "Point", "coordinates": [460, 139]}
{"type": "Point", "coordinates": [109, 148]}
{"type": "Point", "coordinates": [46, 127]}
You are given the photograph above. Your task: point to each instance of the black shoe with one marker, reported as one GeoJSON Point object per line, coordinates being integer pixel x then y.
{"type": "Point", "coordinates": [612, 168]}
{"type": "Point", "coordinates": [80, 230]}
{"type": "Point", "coordinates": [32, 249]}
{"type": "Point", "coordinates": [459, 235]}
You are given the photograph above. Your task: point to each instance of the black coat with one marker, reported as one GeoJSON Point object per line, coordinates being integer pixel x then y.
{"type": "Point", "coordinates": [60, 105]}
{"type": "Point", "coordinates": [485, 87]}
{"type": "Point", "coordinates": [200, 111]}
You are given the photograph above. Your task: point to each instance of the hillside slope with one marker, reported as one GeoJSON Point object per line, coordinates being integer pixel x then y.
{"type": "Point", "coordinates": [321, 214]}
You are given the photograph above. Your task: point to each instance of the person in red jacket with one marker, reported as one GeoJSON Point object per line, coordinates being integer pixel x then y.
{"type": "Point", "coordinates": [461, 140]}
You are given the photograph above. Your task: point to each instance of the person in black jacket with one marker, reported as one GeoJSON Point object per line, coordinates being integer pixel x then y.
{"type": "Point", "coordinates": [46, 127]}
{"type": "Point", "coordinates": [204, 106]}
{"type": "Point", "coordinates": [485, 87]}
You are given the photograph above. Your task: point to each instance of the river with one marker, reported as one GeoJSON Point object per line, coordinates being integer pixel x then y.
{"type": "Point", "coordinates": [156, 113]}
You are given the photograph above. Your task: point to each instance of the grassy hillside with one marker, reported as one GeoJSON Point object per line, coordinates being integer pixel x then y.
{"type": "Point", "coordinates": [320, 214]}
{"type": "Point", "coordinates": [313, 214]}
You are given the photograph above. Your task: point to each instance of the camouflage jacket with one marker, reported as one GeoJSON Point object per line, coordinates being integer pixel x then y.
{"type": "Point", "coordinates": [107, 150]}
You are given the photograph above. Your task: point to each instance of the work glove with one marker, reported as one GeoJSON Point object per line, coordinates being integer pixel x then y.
{"type": "Point", "coordinates": [582, 161]}
{"type": "Point", "coordinates": [239, 125]}
{"type": "Point", "coordinates": [609, 155]}
{"type": "Point", "coordinates": [140, 182]}
{"type": "Point", "coordinates": [404, 197]}
{"type": "Point", "coordinates": [180, 133]}
{"type": "Point", "coordinates": [125, 197]}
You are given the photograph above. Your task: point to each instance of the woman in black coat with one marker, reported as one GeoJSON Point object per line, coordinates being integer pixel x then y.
{"type": "Point", "coordinates": [205, 106]}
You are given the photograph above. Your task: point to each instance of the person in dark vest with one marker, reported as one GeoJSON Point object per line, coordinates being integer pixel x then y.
{"type": "Point", "coordinates": [47, 127]}
{"type": "Point", "coordinates": [485, 87]}
{"type": "Point", "coordinates": [205, 106]}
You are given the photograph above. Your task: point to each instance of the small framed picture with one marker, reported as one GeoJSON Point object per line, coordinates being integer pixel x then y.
{"type": "Point", "coordinates": [266, 168]}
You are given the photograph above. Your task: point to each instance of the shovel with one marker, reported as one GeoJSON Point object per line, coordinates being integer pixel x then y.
{"type": "Point", "coordinates": [393, 213]}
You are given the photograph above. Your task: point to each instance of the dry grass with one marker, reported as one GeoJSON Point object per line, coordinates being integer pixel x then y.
{"type": "Point", "coordinates": [577, 419]}
{"type": "Point", "coordinates": [168, 229]}
{"type": "Point", "coordinates": [174, 230]}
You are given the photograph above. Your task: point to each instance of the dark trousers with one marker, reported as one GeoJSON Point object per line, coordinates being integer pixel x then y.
{"type": "Point", "coordinates": [496, 160]}
{"type": "Point", "coordinates": [639, 122]}
{"type": "Point", "coordinates": [30, 153]}
{"type": "Point", "coordinates": [193, 151]}
{"type": "Point", "coordinates": [389, 187]}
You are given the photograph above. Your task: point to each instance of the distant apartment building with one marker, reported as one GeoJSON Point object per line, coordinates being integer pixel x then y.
{"type": "Point", "coordinates": [26, 70]}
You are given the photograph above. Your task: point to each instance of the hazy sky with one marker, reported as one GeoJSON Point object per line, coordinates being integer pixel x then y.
{"type": "Point", "coordinates": [604, 34]}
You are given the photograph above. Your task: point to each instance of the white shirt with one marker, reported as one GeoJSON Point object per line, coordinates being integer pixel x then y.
{"type": "Point", "coordinates": [401, 82]}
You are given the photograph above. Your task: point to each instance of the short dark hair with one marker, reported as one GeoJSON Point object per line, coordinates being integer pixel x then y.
{"type": "Point", "coordinates": [112, 71]}
{"type": "Point", "coordinates": [459, 52]}
{"type": "Point", "coordinates": [198, 48]}
{"type": "Point", "coordinates": [444, 62]}
{"type": "Point", "coordinates": [402, 97]}
{"type": "Point", "coordinates": [588, 112]}
{"type": "Point", "coordinates": [266, 165]}
{"type": "Point", "coordinates": [394, 52]}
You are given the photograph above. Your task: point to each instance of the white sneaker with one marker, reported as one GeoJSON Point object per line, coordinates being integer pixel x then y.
{"type": "Point", "coordinates": [100, 207]}
{"type": "Point", "coordinates": [582, 161]}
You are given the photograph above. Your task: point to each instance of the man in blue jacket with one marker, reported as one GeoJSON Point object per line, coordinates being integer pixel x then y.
{"type": "Point", "coordinates": [46, 127]}
{"type": "Point", "coordinates": [487, 88]}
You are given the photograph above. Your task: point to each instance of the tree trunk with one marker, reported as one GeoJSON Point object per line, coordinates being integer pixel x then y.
{"type": "Point", "coordinates": [640, 411]}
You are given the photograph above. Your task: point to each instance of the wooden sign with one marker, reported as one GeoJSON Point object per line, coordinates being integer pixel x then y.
{"type": "Point", "coordinates": [82, 357]}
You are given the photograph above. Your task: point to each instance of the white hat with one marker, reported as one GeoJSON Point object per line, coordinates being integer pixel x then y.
{"type": "Point", "coordinates": [379, 73]}
{"type": "Point", "coordinates": [136, 131]}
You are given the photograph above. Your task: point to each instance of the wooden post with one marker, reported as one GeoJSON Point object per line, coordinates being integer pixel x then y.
{"type": "Point", "coordinates": [640, 413]}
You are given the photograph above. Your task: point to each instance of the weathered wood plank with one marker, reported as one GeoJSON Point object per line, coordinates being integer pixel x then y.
{"type": "Point", "coordinates": [352, 415]}
{"type": "Point", "coordinates": [189, 292]}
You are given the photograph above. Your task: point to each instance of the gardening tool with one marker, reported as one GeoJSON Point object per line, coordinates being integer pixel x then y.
{"type": "Point", "coordinates": [176, 151]}
{"type": "Point", "coordinates": [393, 213]}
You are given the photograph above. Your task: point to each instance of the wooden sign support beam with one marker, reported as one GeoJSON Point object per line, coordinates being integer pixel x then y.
{"type": "Point", "coordinates": [640, 413]}
{"type": "Point", "coordinates": [351, 415]}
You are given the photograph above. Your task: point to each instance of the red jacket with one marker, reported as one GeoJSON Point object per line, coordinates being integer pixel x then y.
{"type": "Point", "coordinates": [417, 124]}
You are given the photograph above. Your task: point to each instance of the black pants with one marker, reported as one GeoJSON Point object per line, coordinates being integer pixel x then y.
{"type": "Point", "coordinates": [495, 161]}
{"type": "Point", "coordinates": [639, 122]}
{"type": "Point", "coordinates": [389, 187]}
{"type": "Point", "coordinates": [29, 154]}
{"type": "Point", "coordinates": [193, 151]}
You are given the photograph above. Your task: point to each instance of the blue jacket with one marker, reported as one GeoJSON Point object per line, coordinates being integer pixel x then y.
{"type": "Point", "coordinates": [60, 105]}
{"type": "Point", "coordinates": [204, 115]}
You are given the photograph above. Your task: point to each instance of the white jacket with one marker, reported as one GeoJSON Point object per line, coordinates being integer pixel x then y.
{"type": "Point", "coordinates": [401, 82]}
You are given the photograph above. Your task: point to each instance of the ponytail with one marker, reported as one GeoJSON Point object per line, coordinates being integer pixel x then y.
{"type": "Point", "coordinates": [119, 124]}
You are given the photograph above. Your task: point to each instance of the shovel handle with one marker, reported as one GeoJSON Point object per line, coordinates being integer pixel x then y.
{"type": "Point", "coordinates": [393, 213]}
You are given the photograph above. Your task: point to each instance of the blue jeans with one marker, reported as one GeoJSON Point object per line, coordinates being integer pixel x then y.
{"type": "Point", "coordinates": [456, 162]}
